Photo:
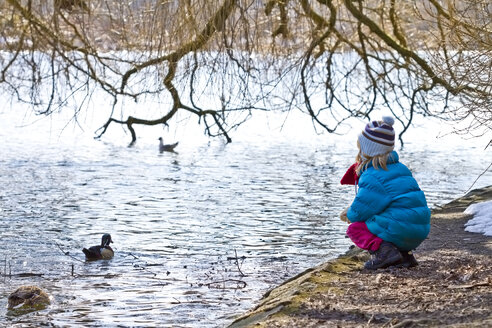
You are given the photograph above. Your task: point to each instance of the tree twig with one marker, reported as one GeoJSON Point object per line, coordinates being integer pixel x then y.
{"type": "Point", "coordinates": [67, 253]}
{"type": "Point", "coordinates": [237, 264]}
{"type": "Point", "coordinates": [478, 178]}
{"type": "Point", "coordinates": [238, 282]}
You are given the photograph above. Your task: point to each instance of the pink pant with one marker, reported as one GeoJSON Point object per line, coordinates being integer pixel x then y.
{"type": "Point", "coordinates": [362, 237]}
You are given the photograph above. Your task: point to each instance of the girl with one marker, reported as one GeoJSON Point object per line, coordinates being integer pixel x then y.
{"type": "Point", "coordinates": [389, 216]}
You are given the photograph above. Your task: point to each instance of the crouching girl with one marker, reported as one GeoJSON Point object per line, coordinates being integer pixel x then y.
{"type": "Point", "coordinates": [389, 216]}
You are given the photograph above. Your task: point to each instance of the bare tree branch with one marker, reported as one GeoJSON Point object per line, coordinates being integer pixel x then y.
{"type": "Point", "coordinates": [221, 61]}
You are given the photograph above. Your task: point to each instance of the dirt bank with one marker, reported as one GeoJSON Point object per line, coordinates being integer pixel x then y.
{"type": "Point", "coordinates": [451, 287]}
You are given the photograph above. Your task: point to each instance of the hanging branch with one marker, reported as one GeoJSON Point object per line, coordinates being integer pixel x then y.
{"type": "Point", "coordinates": [215, 24]}
{"type": "Point", "coordinates": [394, 55]}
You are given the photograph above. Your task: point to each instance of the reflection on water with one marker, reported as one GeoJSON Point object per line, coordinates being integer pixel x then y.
{"type": "Point", "coordinates": [199, 235]}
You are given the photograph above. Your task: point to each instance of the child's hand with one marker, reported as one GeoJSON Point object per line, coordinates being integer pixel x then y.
{"type": "Point", "coordinates": [343, 216]}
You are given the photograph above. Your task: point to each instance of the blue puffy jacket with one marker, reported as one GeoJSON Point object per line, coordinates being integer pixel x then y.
{"type": "Point", "coordinates": [392, 205]}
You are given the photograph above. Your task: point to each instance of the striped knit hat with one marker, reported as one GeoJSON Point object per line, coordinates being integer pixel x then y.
{"type": "Point", "coordinates": [378, 137]}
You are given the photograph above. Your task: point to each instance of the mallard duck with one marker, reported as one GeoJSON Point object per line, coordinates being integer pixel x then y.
{"type": "Point", "coordinates": [100, 252]}
{"type": "Point", "coordinates": [29, 297]}
{"type": "Point", "coordinates": [163, 147]}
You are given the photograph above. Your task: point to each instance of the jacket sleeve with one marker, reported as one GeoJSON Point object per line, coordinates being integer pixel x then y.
{"type": "Point", "coordinates": [370, 200]}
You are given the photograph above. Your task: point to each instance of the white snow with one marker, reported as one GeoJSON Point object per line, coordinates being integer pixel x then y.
{"type": "Point", "coordinates": [482, 218]}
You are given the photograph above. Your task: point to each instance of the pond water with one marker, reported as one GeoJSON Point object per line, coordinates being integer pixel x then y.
{"type": "Point", "coordinates": [199, 235]}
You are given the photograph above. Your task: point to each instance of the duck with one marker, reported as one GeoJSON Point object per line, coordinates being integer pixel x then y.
{"type": "Point", "coordinates": [100, 252]}
{"type": "Point", "coordinates": [29, 298]}
{"type": "Point", "coordinates": [163, 147]}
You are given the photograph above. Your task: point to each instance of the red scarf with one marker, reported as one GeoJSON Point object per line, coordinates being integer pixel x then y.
{"type": "Point", "coordinates": [350, 177]}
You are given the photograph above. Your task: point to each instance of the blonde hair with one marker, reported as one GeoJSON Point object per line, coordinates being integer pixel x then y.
{"type": "Point", "coordinates": [364, 160]}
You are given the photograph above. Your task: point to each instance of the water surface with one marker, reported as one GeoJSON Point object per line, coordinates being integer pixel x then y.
{"type": "Point", "coordinates": [199, 235]}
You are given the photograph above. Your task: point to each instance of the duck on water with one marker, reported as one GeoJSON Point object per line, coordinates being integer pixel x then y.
{"type": "Point", "coordinates": [166, 147]}
{"type": "Point", "coordinates": [100, 252]}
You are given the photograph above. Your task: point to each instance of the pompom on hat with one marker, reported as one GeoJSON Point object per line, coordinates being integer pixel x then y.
{"type": "Point", "coordinates": [378, 137]}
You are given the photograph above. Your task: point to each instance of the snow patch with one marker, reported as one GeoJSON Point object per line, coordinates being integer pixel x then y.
{"type": "Point", "coordinates": [482, 218]}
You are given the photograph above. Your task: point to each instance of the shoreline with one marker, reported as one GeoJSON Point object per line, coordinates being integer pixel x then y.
{"type": "Point", "coordinates": [451, 286]}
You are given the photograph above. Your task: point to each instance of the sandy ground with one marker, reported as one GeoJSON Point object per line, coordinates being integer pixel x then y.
{"type": "Point", "coordinates": [451, 286]}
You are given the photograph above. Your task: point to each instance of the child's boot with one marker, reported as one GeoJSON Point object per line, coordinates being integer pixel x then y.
{"type": "Point", "coordinates": [385, 256]}
{"type": "Point", "coordinates": [407, 261]}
